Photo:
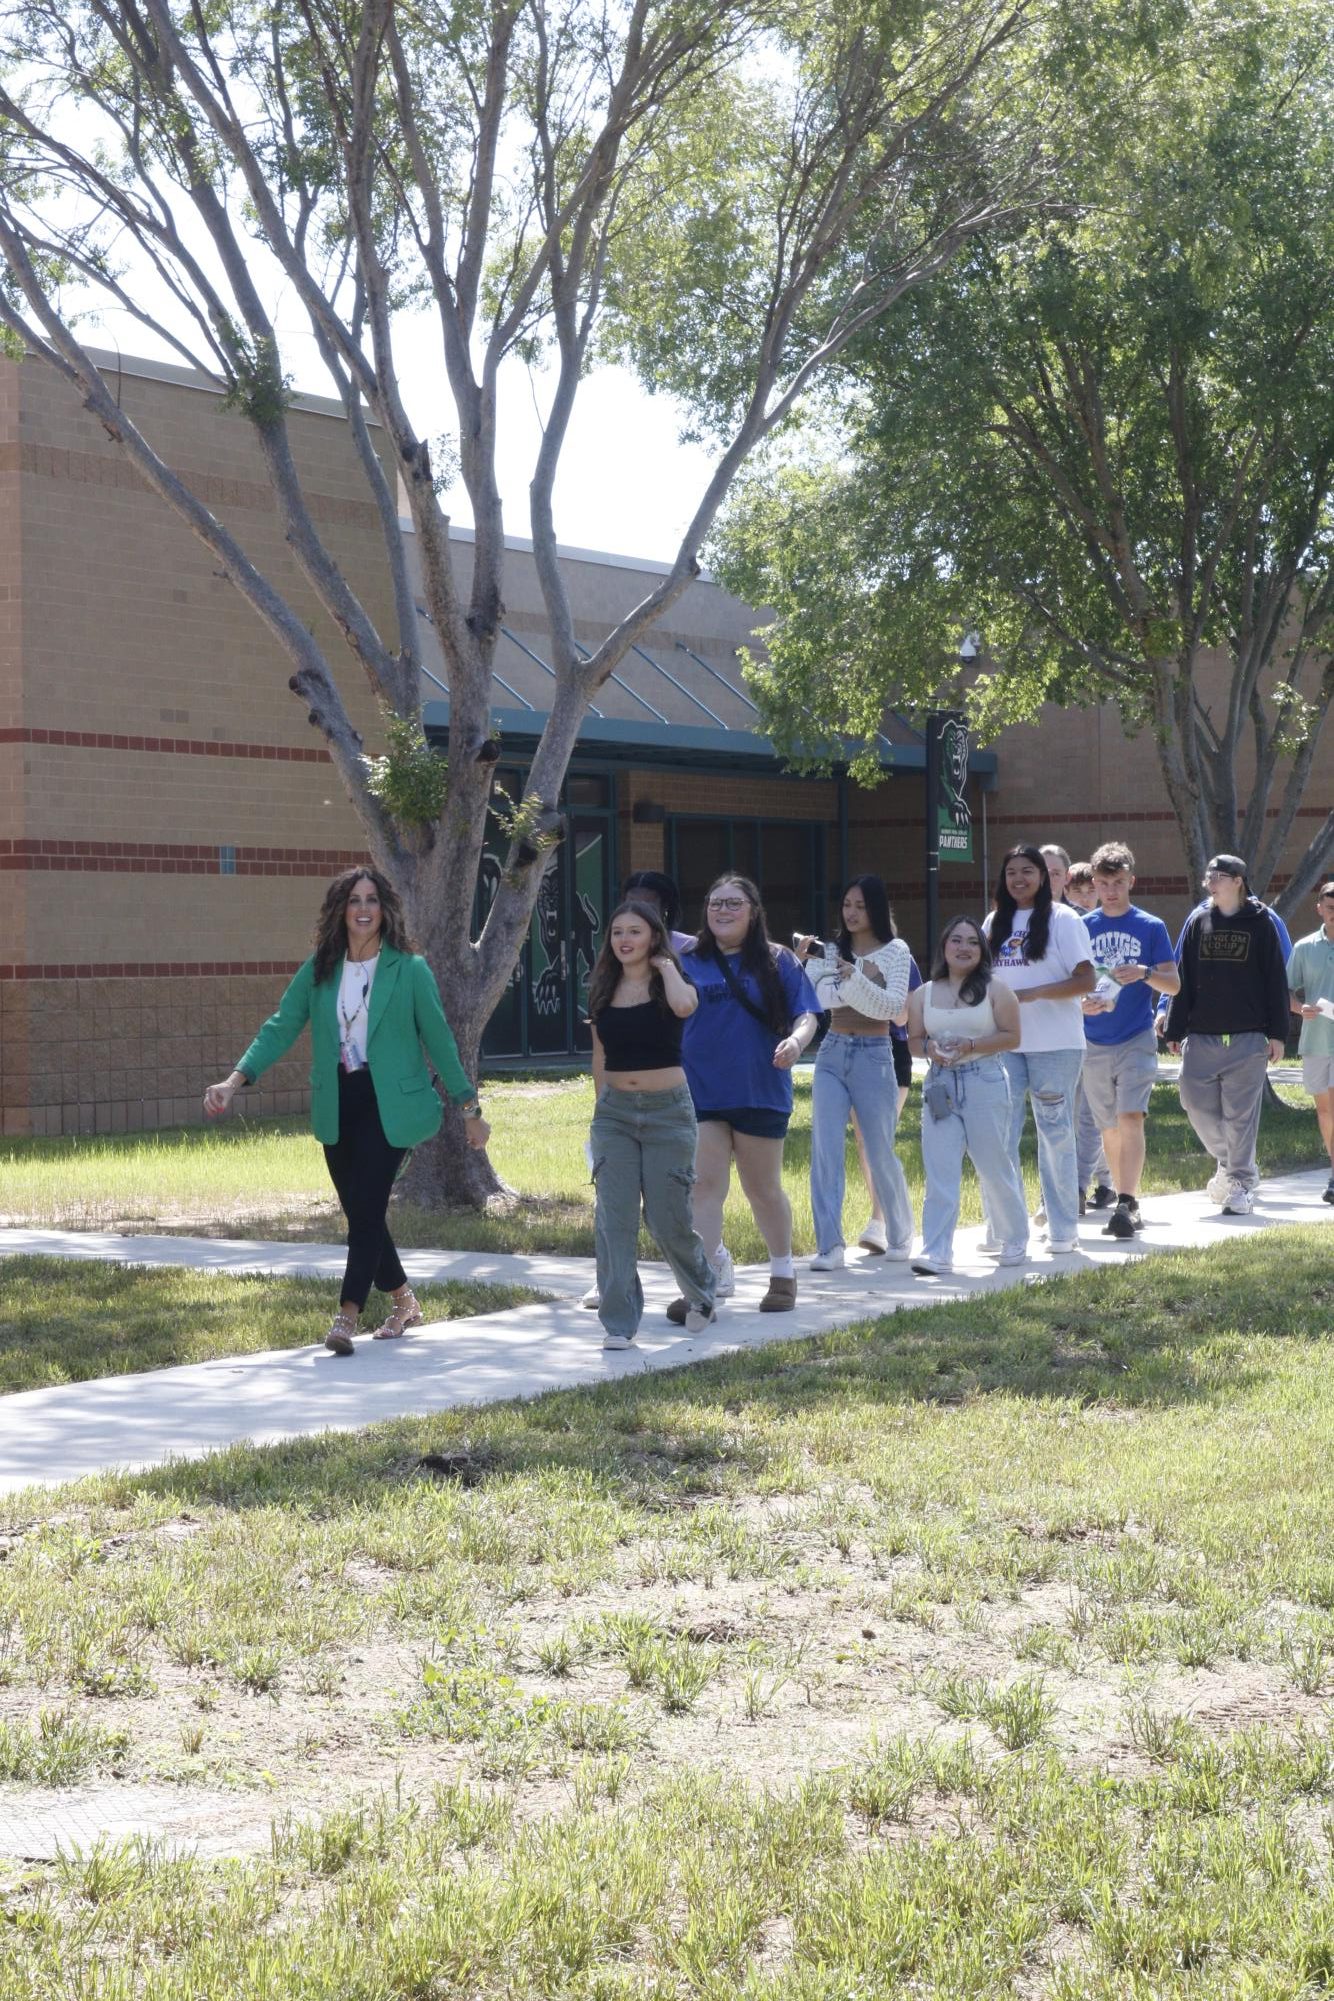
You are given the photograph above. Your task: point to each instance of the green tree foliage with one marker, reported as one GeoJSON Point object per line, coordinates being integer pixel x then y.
{"type": "Point", "coordinates": [1106, 443]}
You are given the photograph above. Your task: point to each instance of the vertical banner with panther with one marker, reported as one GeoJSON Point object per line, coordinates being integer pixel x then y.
{"type": "Point", "coordinates": [954, 821]}
{"type": "Point", "coordinates": [949, 823]}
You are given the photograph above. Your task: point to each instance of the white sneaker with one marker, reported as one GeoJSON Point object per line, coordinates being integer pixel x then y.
{"type": "Point", "coordinates": [873, 1237]}
{"type": "Point", "coordinates": [617, 1340]}
{"type": "Point", "coordinates": [698, 1318]}
{"type": "Point", "coordinates": [1218, 1186]}
{"type": "Point", "coordinates": [726, 1271]}
{"type": "Point", "coordinates": [898, 1254]}
{"type": "Point", "coordinates": [1012, 1257]}
{"type": "Point", "coordinates": [989, 1248]}
{"type": "Point", "coordinates": [1240, 1200]}
{"type": "Point", "coordinates": [592, 1299]}
{"type": "Point", "coordinates": [1062, 1250]}
{"type": "Point", "coordinates": [828, 1260]}
{"type": "Point", "coordinates": [931, 1268]}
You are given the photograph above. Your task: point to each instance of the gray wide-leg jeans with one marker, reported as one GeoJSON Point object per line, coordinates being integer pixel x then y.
{"type": "Point", "coordinates": [1222, 1089]}
{"type": "Point", "coordinates": [644, 1151]}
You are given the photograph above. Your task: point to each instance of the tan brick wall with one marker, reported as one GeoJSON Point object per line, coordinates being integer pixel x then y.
{"type": "Point", "coordinates": [119, 1055]}
{"type": "Point", "coordinates": [115, 626]}
{"type": "Point", "coordinates": [1074, 778]}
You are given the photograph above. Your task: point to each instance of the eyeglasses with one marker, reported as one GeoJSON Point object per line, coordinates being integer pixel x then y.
{"type": "Point", "coordinates": [728, 903]}
{"type": "Point", "coordinates": [1220, 875]}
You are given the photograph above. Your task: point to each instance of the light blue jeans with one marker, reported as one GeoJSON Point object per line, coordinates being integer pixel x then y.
{"type": "Point", "coordinates": [855, 1073]}
{"type": "Point", "coordinates": [1092, 1160]}
{"type": "Point", "coordinates": [979, 1125]}
{"type": "Point", "coordinates": [1051, 1078]}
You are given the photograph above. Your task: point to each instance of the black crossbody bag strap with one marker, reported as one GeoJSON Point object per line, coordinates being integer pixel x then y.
{"type": "Point", "coordinates": [738, 993]}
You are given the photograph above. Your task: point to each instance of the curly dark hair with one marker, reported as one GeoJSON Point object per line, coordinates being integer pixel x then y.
{"type": "Point", "coordinates": [1004, 905]}
{"type": "Point", "coordinates": [974, 989]}
{"type": "Point", "coordinates": [759, 955]}
{"type": "Point", "coordinates": [331, 924]}
{"type": "Point", "coordinates": [606, 974]}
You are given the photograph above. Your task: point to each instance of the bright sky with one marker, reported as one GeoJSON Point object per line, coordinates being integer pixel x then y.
{"type": "Point", "coordinates": [626, 484]}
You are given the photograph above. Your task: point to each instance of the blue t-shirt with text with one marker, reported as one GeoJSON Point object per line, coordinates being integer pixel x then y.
{"type": "Point", "coordinates": [727, 1054]}
{"type": "Point", "coordinates": [1136, 939]}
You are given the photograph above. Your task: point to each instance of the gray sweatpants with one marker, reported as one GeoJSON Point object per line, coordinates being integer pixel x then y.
{"type": "Point", "coordinates": [1222, 1088]}
{"type": "Point", "coordinates": [644, 1150]}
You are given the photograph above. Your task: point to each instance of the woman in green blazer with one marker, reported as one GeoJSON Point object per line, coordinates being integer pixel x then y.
{"type": "Point", "coordinates": [372, 1005]}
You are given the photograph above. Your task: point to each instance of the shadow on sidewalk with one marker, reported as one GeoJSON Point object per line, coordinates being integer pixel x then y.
{"type": "Point", "coordinates": [1166, 1332]}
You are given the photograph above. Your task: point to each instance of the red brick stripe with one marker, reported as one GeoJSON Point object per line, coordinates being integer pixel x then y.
{"type": "Point", "coordinates": [175, 746]}
{"type": "Point", "coordinates": [150, 969]}
{"type": "Point", "coordinates": [168, 858]}
{"type": "Point", "coordinates": [1113, 816]}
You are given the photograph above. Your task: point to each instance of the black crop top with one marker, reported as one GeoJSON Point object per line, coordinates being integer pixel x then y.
{"type": "Point", "coordinates": [646, 1037]}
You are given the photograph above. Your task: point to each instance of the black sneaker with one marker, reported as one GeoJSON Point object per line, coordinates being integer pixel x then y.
{"type": "Point", "coordinates": [1102, 1197]}
{"type": "Point", "coordinates": [1125, 1219]}
{"type": "Point", "coordinates": [1328, 1195]}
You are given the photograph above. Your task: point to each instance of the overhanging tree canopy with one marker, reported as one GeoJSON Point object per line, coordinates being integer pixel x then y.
{"type": "Point", "coordinates": [1107, 443]}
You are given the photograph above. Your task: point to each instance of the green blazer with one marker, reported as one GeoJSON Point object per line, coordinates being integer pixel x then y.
{"type": "Point", "coordinates": [405, 1012]}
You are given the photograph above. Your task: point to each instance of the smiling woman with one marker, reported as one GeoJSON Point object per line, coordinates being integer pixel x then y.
{"type": "Point", "coordinates": [1040, 950]}
{"type": "Point", "coordinates": [373, 1006]}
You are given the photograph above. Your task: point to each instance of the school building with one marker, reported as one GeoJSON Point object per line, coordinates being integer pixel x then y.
{"type": "Point", "coordinates": [168, 818]}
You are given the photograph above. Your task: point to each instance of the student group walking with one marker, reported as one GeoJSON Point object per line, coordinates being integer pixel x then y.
{"type": "Point", "coordinates": [1055, 999]}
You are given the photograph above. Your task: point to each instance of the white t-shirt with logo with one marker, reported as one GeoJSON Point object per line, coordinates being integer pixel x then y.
{"type": "Point", "coordinates": [1044, 1024]}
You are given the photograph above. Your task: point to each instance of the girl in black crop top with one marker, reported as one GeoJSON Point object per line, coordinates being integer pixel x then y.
{"type": "Point", "coordinates": [643, 1132]}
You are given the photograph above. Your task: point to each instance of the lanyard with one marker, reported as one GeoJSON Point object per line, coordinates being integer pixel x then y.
{"type": "Point", "coordinates": [348, 1019]}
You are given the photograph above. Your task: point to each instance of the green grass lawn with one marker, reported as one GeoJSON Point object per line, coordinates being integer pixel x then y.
{"type": "Point", "coordinates": [982, 1651]}
{"type": "Point", "coordinates": [269, 1180]}
{"type": "Point", "coordinates": [66, 1320]}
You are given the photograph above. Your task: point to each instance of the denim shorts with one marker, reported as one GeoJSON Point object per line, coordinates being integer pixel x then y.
{"type": "Point", "coordinates": [755, 1121]}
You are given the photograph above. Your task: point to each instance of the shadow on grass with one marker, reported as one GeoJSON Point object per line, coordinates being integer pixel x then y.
{"type": "Point", "coordinates": [1171, 1331]}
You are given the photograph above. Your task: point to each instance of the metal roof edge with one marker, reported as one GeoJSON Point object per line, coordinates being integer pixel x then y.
{"type": "Point", "coordinates": [523, 545]}
{"type": "Point", "coordinates": [181, 377]}
{"type": "Point", "coordinates": [623, 735]}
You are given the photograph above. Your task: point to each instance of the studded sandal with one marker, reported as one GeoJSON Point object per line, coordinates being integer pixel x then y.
{"type": "Point", "coordinates": [338, 1340]}
{"type": "Point", "coordinates": [404, 1312]}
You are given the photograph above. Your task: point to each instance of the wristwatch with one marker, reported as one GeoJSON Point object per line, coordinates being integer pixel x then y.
{"type": "Point", "coordinates": [472, 1111]}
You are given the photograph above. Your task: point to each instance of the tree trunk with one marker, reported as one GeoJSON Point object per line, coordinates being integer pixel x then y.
{"type": "Point", "coordinates": [445, 1172]}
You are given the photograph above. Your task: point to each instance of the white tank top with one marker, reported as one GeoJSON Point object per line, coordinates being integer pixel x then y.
{"type": "Point", "coordinates": [973, 1022]}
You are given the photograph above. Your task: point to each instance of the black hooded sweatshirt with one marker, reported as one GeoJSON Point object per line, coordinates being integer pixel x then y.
{"type": "Point", "coordinates": [1233, 980]}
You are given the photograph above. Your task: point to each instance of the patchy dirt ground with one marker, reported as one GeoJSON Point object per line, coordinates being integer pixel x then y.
{"type": "Point", "coordinates": [797, 1676]}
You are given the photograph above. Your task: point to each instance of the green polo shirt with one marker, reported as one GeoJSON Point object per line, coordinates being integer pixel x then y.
{"type": "Point", "coordinates": [1311, 974]}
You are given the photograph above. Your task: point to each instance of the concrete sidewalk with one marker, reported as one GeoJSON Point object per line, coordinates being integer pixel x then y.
{"type": "Point", "coordinates": [54, 1435]}
{"type": "Point", "coordinates": [285, 1260]}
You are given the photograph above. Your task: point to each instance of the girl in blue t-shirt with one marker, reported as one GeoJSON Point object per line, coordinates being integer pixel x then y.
{"type": "Point", "coordinates": [757, 1013]}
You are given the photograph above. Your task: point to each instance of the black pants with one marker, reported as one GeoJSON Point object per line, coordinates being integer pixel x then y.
{"type": "Point", "coordinates": [362, 1166]}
